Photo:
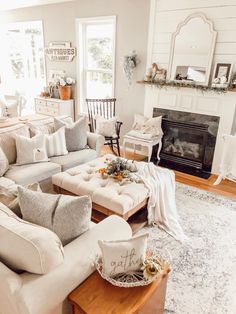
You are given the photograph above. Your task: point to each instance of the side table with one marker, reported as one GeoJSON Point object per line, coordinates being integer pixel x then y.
{"type": "Point", "coordinates": [147, 143]}
{"type": "Point", "coordinates": [97, 296]}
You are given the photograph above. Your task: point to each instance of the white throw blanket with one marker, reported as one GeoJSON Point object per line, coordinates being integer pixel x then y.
{"type": "Point", "coordinates": [161, 205]}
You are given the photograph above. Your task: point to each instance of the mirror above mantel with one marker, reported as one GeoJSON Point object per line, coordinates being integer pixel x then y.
{"type": "Point", "coordinates": [192, 49]}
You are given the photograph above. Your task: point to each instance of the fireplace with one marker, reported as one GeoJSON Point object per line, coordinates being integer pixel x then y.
{"type": "Point", "coordinates": [188, 141]}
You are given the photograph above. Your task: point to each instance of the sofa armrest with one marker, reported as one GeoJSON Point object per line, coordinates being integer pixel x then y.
{"type": "Point", "coordinates": [10, 287]}
{"type": "Point", "coordinates": [96, 142]}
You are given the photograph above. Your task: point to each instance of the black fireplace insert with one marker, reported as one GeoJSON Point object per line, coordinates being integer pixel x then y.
{"type": "Point", "coordinates": [188, 142]}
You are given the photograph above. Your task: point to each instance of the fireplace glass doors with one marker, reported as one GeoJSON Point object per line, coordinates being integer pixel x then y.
{"type": "Point", "coordinates": [188, 141]}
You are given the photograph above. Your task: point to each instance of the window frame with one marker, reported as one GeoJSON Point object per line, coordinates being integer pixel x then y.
{"type": "Point", "coordinates": [21, 25]}
{"type": "Point", "coordinates": [82, 63]}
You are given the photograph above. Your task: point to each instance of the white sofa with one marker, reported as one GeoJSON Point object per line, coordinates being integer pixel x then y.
{"type": "Point", "coordinates": [47, 294]}
{"type": "Point", "coordinates": [42, 172]}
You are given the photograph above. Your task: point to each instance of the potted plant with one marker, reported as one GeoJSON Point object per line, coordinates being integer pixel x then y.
{"type": "Point", "coordinates": [64, 86]}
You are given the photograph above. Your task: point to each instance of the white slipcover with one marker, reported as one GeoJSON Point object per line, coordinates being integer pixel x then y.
{"type": "Point", "coordinates": [46, 294]}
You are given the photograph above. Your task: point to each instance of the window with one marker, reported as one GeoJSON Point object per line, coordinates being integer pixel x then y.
{"type": "Point", "coordinates": [22, 63]}
{"type": "Point", "coordinates": [96, 42]}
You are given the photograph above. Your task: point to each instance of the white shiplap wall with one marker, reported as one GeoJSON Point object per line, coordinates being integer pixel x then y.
{"type": "Point", "coordinates": [167, 14]}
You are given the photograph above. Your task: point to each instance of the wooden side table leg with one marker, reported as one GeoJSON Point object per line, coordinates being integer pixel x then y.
{"type": "Point", "coordinates": [149, 152]}
{"type": "Point", "coordinates": [124, 148]}
{"type": "Point", "coordinates": [134, 149]}
{"type": "Point", "coordinates": [159, 149]}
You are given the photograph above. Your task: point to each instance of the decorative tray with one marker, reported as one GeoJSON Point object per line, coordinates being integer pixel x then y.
{"type": "Point", "coordinates": [131, 279]}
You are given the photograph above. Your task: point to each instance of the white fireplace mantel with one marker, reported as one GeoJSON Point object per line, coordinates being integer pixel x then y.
{"type": "Point", "coordinates": [190, 100]}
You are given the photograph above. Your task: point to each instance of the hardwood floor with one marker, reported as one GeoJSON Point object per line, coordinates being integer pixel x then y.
{"type": "Point", "coordinates": [225, 188]}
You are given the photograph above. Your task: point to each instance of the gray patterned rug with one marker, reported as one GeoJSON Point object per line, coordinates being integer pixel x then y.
{"type": "Point", "coordinates": [203, 280]}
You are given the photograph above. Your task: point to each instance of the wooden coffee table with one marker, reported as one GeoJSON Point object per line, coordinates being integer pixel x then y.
{"type": "Point", "coordinates": [97, 296]}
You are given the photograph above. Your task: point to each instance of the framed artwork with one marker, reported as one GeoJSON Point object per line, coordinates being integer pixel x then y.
{"type": "Point", "coordinates": [222, 74]}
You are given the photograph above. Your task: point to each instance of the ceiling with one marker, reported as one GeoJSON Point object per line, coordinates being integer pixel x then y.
{"type": "Point", "coordinates": [15, 4]}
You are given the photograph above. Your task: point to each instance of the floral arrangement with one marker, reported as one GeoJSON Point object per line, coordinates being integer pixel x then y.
{"type": "Point", "coordinates": [129, 63]}
{"type": "Point", "coordinates": [119, 169]}
{"type": "Point", "coordinates": [62, 81]}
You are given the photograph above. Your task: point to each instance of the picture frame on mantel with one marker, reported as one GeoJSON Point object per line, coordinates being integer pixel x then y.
{"type": "Point", "coordinates": [222, 74]}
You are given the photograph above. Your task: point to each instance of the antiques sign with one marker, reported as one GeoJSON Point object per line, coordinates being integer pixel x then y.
{"type": "Point", "coordinates": [60, 51]}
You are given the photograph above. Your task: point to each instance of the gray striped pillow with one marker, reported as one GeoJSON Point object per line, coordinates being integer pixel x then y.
{"type": "Point", "coordinates": [56, 143]}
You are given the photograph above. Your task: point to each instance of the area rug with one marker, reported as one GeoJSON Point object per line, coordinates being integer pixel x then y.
{"type": "Point", "coordinates": [203, 279]}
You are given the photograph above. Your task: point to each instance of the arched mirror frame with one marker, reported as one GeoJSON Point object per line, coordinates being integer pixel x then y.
{"type": "Point", "coordinates": [176, 33]}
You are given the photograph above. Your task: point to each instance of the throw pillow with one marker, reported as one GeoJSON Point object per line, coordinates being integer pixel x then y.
{"type": "Point", "coordinates": [9, 196]}
{"type": "Point", "coordinates": [68, 216]}
{"type": "Point", "coordinates": [144, 125]}
{"type": "Point", "coordinates": [4, 164]}
{"type": "Point", "coordinates": [45, 125]}
{"type": "Point", "coordinates": [139, 121]}
{"type": "Point", "coordinates": [56, 143]}
{"type": "Point", "coordinates": [123, 256]}
{"type": "Point", "coordinates": [76, 133]}
{"type": "Point", "coordinates": [106, 127]}
{"type": "Point", "coordinates": [153, 126]}
{"type": "Point", "coordinates": [7, 140]}
{"type": "Point", "coordinates": [27, 247]}
{"type": "Point", "coordinates": [31, 150]}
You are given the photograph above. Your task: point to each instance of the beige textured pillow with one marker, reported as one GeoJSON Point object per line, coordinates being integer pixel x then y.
{"type": "Point", "coordinates": [67, 216]}
{"type": "Point", "coordinates": [7, 140]}
{"type": "Point", "coordinates": [9, 196]}
{"type": "Point", "coordinates": [124, 255]}
{"type": "Point", "coordinates": [76, 133]}
{"type": "Point", "coordinates": [45, 125]}
{"type": "Point", "coordinates": [139, 121]}
{"type": "Point", "coordinates": [106, 127]}
{"type": "Point", "coordinates": [144, 125]}
{"type": "Point", "coordinates": [153, 125]}
{"type": "Point", "coordinates": [27, 247]}
{"type": "Point", "coordinates": [4, 164]}
{"type": "Point", "coordinates": [31, 150]}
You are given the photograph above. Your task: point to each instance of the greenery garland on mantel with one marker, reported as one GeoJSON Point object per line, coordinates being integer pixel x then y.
{"type": "Point", "coordinates": [179, 84]}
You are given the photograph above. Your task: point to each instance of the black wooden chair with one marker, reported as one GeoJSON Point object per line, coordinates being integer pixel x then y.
{"type": "Point", "coordinates": [106, 109]}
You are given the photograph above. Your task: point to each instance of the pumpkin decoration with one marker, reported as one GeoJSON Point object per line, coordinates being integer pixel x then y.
{"type": "Point", "coordinates": [119, 169]}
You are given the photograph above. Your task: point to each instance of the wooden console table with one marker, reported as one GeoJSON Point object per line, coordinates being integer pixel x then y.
{"type": "Point", "coordinates": [97, 296]}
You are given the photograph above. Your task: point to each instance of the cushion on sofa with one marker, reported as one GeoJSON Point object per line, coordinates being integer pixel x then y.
{"type": "Point", "coordinates": [76, 133]}
{"type": "Point", "coordinates": [27, 174]}
{"type": "Point", "coordinates": [7, 139]}
{"type": "Point", "coordinates": [74, 159]}
{"type": "Point", "coordinates": [9, 196]}
{"type": "Point", "coordinates": [45, 125]}
{"type": "Point", "coordinates": [56, 143]}
{"type": "Point", "coordinates": [31, 150]}
{"type": "Point", "coordinates": [67, 216]}
{"type": "Point", "coordinates": [4, 164]}
{"type": "Point", "coordinates": [27, 247]}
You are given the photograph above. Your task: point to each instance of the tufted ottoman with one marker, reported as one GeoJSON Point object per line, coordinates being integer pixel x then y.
{"type": "Point", "coordinates": [108, 196]}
